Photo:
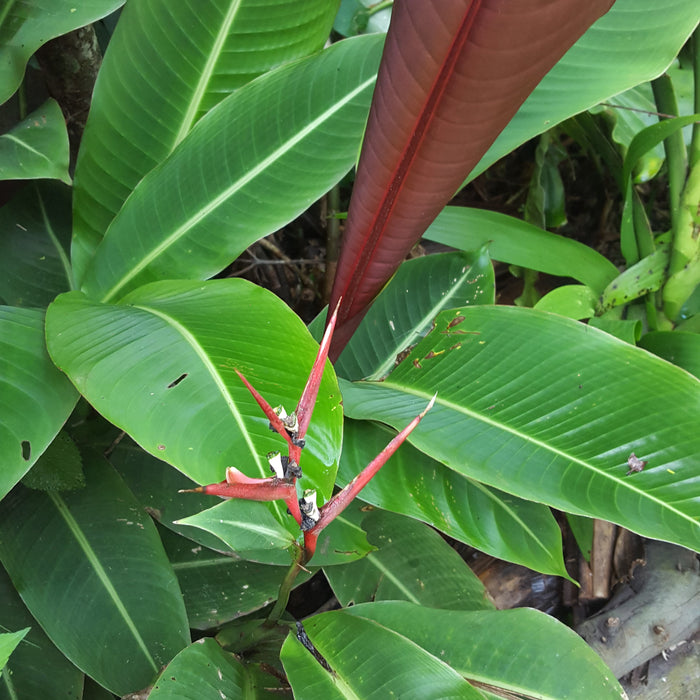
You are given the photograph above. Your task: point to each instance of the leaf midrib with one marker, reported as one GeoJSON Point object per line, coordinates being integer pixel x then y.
{"type": "Point", "coordinates": [102, 575]}
{"type": "Point", "coordinates": [463, 410]}
{"type": "Point", "coordinates": [241, 182]}
{"type": "Point", "coordinates": [206, 74]}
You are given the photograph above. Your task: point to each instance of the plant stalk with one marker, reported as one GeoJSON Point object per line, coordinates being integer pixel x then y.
{"type": "Point", "coordinates": [286, 588]}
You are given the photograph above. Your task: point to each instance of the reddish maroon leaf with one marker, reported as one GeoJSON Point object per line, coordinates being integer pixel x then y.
{"type": "Point", "coordinates": [453, 74]}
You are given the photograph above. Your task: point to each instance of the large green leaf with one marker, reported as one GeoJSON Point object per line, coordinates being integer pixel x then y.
{"type": "Point", "coordinates": [37, 669]}
{"type": "Point", "coordinates": [519, 243]}
{"type": "Point", "coordinates": [404, 310]}
{"type": "Point", "coordinates": [218, 588]}
{"type": "Point", "coordinates": [37, 147]}
{"type": "Point", "coordinates": [35, 398]}
{"type": "Point", "coordinates": [27, 24]}
{"type": "Point", "coordinates": [245, 529]}
{"type": "Point", "coordinates": [204, 671]}
{"type": "Point", "coordinates": [634, 42]}
{"type": "Point", "coordinates": [161, 365]}
{"type": "Point", "coordinates": [168, 63]}
{"type": "Point", "coordinates": [252, 164]}
{"type": "Point", "coordinates": [524, 651]}
{"type": "Point", "coordinates": [367, 661]}
{"type": "Point", "coordinates": [34, 240]}
{"type": "Point", "coordinates": [551, 410]}
{"type": "Point", "coordinates": [91, 569]}
{"type": "Point", "coordinates": [484, 517]}
{"type": "Point", "coordinates": [412, 563]}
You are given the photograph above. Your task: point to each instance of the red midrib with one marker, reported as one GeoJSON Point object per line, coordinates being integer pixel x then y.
{"type": "Point", "coordinates": [384, 212]}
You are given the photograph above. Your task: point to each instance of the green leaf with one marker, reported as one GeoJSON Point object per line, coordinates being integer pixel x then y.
{"type": "Point", "coordinates": [550, 410]}
{"type": "Point", "coordinates": [217, 588]}
{"type": "Point", "coordinates": [523, 651]}
{"type": "Point", "coordinates": [156, 485]}
{"type": "Point", "coordinates": [634, 42]}
{"type": "Point", "coordinates": [404, 310]}
{"type": "Point", "coordinates": [34, 239]}
{"type": "Point", "coordinates": [571, 300]}
{"type": "Point", "coordinates": [413, 484]}
{"type": "Point", "coordinates": [412, 563]}
{"type": "Point", "coordinates": [628, 330]}
{"type": "Point", "coordinates": [160, 365]}
{"type": "Point", "coordinates": [245, 528]}
{"type": "Point", "coordinates": [26, 25]}
{"type": "Point", "coordinates": [9, 642]}
{"type": "Point", "coordinates": [91, 569]}
{"type": "Point", "coordinates": [682, 349]}
{"type": "Point", "coordinates": [37, 669]}
{"type": "Point", "coordinates": [629, 113]}
{"type": "Point", "coordinates": [59, 468]}
{"type": "Point", "coordinates": [368, 660]}
{"type": "Point", "coordinates": [219, 190]}
{"type": "Point", "coordinates": [37, 147]}
{"type": "Point", "coordinates": [643, 277]}
{"type": "Point", "coordinates": [35, 399]}
{"type": "Point", "coordinates": [204, 671]}
{"type": "Point", "coordinates": [168, 64]}
{"type": "Point", "coordinates": [519, 243]}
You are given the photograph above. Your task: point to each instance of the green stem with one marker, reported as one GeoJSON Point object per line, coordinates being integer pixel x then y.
{"type": "Point", "coordinates": [674, 147]}
{"type": "Point", "coordinates": [286, 588]}
{"type": "Point", "coordinates": [694, 153]}
{"type": "Point", "coordinates": [378, 7]}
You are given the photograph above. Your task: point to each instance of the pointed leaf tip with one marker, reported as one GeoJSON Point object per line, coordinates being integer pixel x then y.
{"type": "Point", "coordinates": [452, 75]}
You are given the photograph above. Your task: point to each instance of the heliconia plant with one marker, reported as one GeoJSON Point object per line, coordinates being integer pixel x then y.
{"type": "Point", "coordinates": [136, 388]}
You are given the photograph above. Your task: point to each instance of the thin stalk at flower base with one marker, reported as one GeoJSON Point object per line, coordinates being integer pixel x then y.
{"type": "Point", "coordinates": [286, 588]}
{"type": "Point", "coordinates": [343, 498]}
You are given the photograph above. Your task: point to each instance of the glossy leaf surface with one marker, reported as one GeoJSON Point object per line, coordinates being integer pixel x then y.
{"type": "Point", "coordinates": [74, 556]}
{"type": "Point", "coordinates": [523, 651]}
{"type": "Point", "coordinates": [218, 588]}
{"type": "Point", "coordinates": [484, 517]}
{"type": "Point", "coordinates": [37, 669]}
{"type": "Point", "coordinates": [161, 365]}
{"type": "Point", "coordinates": [452, 76]}
{"type": "Point", "coordinates": [368, 660]}
{"type": "Point", "coordinates": [37, 147]}
{"type": "Point", "coordinates": [523, 407]}
{"type": "Point", "coordinates": [516, 242]}
{"type": "Point", "coordinates": [35, 397]}
{"type": "Point", "coordinates": [246, 529]}
{"type": "Point", "coordinates": [35, 230]}
{"type": "Point", "coordinates": [25, 26]}
{"type": "Point", "coordinates": [218, 192]}
{"type": "Point", "coordinates": [203, 671]}
{"type": "Point", "coordinates": [412, 562]}
{"type": "Point", "coordinates": [682, 349]}
{"type": "Point", "coordinates": [571, 300]}
{"type": "Point", "coordinates": [167, 65]}
{"type": "Point", "coordinates": [634, 42]}
{"type": "Point", "coordinates": [404, 310]}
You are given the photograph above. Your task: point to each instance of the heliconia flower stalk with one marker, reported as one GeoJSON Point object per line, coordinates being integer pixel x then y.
{"type": "Point", "coordinates": [343, 498]}
{"type": "Point", "coordinates": [272, 416]}
{"type": "Point", "coordinates": [306, 404]}
{"type": "Point", "coordinates": [238, 485]}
